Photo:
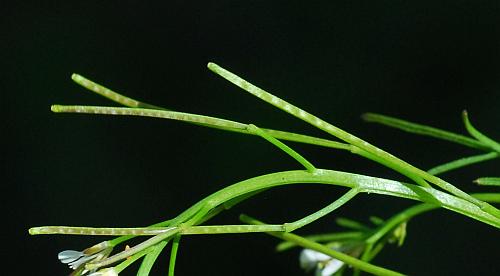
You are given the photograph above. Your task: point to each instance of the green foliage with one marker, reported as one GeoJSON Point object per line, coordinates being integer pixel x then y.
{"type": "Point", "coordinates": [355, 247]}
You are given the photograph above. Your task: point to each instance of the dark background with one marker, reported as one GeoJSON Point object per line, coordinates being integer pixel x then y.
{"type": "Point", "coordinates": [424, 62]}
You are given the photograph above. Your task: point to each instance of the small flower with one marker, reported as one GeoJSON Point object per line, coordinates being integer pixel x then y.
{"type": "Point", "coordinates": [76, 260]}
{"type": "Point", "coordinates": [324, 264]}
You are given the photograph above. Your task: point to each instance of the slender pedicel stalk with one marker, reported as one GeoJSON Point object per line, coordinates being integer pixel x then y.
{"type": "Point", "coordinates": [462, 162]}
{"type": "Point", "coordinates": [345, 136]}
{"type": "Point", "coordinates": [295, 155]}
{"type": "Point", "coordinates": [289, 227]}
{"type": "Point", "coordinates": [329, 237]}
{"type": "Point", "coordinates": [423, 130]}
{"type": "Point", "coordinates": [130, 260]}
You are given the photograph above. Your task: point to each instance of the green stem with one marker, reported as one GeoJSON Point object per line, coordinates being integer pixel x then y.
{"type": "Point", "coordinates": [295, 155]}
{"type": "Point", "coordinates": [289, 227]}
{"type": "Point", "coordinates": [328, 237]}
{"type": "Point", "coordinates": [363, 183]}
{"type": "Point", "coordinates": [150, 259]}
{"type": "Point", "coordinates": [130, 260]}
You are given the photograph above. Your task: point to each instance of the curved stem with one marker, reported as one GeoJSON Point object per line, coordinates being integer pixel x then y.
{"type": "Point", "coordinates": [289, 227]}
{"type": "Point", "coordinates": [363, 183]}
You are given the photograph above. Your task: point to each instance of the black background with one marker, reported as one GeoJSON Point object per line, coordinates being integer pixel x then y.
{"type": "Point", "coordinates": [424, 61]}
